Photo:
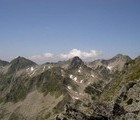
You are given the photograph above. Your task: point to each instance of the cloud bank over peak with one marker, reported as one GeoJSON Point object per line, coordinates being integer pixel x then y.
{"type": "Point", "coordinates": [42, 57]}
{"type": "Point", "coordinates": [81, 54]}
{"type": "Point", "coordinates": [85, 55]}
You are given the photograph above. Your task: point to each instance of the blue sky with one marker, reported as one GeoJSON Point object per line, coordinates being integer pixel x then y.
{"type": "Point", "coordinates": [36, 27]}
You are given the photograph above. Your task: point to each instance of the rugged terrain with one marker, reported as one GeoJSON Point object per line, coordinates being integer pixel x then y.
{"type": "Point", "coordinates": [70, 90]}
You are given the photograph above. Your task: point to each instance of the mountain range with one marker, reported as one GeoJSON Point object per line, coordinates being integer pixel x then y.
{"type": "Point", "coordinates": [71, 89]}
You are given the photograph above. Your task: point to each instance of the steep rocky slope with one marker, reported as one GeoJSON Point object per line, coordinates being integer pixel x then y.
{"type": "Point", "coordinates": [113, 64]}
{"type": "Point", "coordinates": [70, 90]}
{"type": "Point", "coordinates": [118, 99]}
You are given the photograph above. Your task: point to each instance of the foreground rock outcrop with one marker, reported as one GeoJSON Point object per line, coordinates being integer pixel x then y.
{"type": "Point", "coordinates": [71, 113]}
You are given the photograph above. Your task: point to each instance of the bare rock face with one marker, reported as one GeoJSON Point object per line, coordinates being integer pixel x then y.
{"type": "Point", "coordinates": [71, 113]}
{"type": "Point", "coordinates": [60, 117]}
{"type": "Point", "coordinates": [76, 63]}
{"type": "Point", "coordinates": [75, 114]}
{"type": "Point", "coordinates": [125, 106]}
{"type": "Point", "coordinates": [101, 90]}
{"type": "Point", "coordinates": [114, 64]}
{"type": "Point", "coordinates": [118, 62]}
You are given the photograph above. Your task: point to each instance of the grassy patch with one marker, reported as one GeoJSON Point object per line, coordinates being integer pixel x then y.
{"type": "Point", "coordinates": [16, 93]}
{"type": "Point", "coordinates": [130, 72]}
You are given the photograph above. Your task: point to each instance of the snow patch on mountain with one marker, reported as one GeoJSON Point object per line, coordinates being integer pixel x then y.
{"type": "Point", "coordinates": [92, 75]}
{"type": "Point", "coordinates": [71, 76]}
{"type": "Point", "coordinates": [109, 67]}
{"type": "Point", "coordinates": [32, 69]}
{"type": "Point", "coordinates": [69, 87]}
{"type": "Point", "coordinates": [79, 71]}
{"type": "Point", "coordinates": [75, 79]}
{"type": "Point", "coordinates": [44, 68]}
{"type": "Point", "coordinates": [81, 81]}
{"type": "Point", "coordinates": [76, 98]}
{"type": "Point", "coordinates": [88, 83]}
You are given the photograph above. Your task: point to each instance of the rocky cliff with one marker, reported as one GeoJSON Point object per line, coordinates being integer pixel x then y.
{"type": "Point", "coordinates": [70, 90]}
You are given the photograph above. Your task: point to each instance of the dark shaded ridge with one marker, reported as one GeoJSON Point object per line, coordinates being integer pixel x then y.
{"type": "Point", "coordinates": [20, 63]}
{"type": "Point", "coordinates": [3, 63]}
{"type": "Point", "coordinates": [76, 63]}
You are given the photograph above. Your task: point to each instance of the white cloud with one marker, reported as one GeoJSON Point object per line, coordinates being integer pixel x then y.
{"type": "Point", "coordinates": [42, 58]}
{"type": "Point", "coordinates": [82, 54]}
{"type": "Point", "coordinates": [71, 54]}
{"type": "Point", "coordinates": [85, 55]}
{"type": "Point", "coordinates": [48, 55]}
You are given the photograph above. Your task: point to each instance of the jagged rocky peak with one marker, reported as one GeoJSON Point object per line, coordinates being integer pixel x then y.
{"type": "Point", "coordinates": [118, 62]}
{"type": "Point", "coordinates": [113, 64]}
{"type": "Point", "coordinates": [20, 63]}
{"type": "Point", "coordinates": [76, 62]}
{"type": "Point", "coordinates": [121, 57]}
{"type": "Point", "coordinates": [3, 63]}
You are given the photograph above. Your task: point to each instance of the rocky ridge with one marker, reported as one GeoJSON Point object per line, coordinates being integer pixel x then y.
{"type": "Point", "coordinates": [70, 90]}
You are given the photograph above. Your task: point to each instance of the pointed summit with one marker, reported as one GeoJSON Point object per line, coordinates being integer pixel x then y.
{"type": "Point", "coordinates": [76, 62]}
{"type": "Point", "coordinates": [20, 63]}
